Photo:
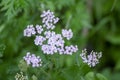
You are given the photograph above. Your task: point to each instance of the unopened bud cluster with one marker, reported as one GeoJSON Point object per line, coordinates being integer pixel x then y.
{"type": "Point", "coordinates": [20, 76]}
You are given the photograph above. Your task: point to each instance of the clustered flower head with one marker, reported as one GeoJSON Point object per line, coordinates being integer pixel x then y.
{"type": "Point", "coordinates": [67, 34]}
{"type": "Point", "coordinates": [39, 29]}
{"type": "Point", "coordinates": [39, 40]}
{"type": "Point", "coordinates": [50, 41]}
{"type": "Point", "coordinates": [20, 76]}
{"type": "Point", "coordinates": [29, 31]}
{"type": "Point", "coordinates": [35, 61]}
{"type": "Point", "coordinates": [91, 59]}
{"type": "Point", "coordinates": [48, 19]}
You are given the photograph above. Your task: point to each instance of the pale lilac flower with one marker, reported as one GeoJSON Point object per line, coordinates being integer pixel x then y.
{"type": "Point", "coordinates": [45, 49]}
{"type": "Point", "coordinates": [39, 29]}
{"type": "Point", "coordinates": [35, 61]}
{"type": "Point", "coordinates": [27, 58]}
{"type": "Point", "coordinates": [48, 19]}
{"type": "Point", "coordinates": [29, 31]}
{"type": "Point", "coordinates": [91, 59]}
{"type": "Point", "coordinates": [60, 42]}
{"type": "Point", "coordinates": [61, 50]}
{"type": "Point", "coordinates": [55, 20]}
{"type": "Point", "coordinates": [49, 49]}
{"type": "Point", "coordinates": [67, 33]}
{"type": "Point", "coordinates": [49, 41]}
{"type": "Point", "coordinates": [49, 26]}
{"type": "Point", "coordinates": [74, 48]}
{"type": "Point", "coordinates": [49, 34]}
{"type": "Point", "coordinates": [39, 40]}
{"type": "Point", "coordinates": [70, 49]}
{"type": "Point", "coordinates": [56, 40]}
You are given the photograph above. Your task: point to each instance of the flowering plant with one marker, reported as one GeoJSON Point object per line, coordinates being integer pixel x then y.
{"type": "Point", "coordinates": [51, 43]}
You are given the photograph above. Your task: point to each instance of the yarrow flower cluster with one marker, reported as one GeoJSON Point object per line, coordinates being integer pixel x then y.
{"type": "Point", "coordinates": [91, 59]}
{"type": "Point", "coordinates": [39, 40]}
{"type": "Point", "coordinates": [67, 33]}
{"type": "Point", "coordinates": [50, 41]}
{"type": "Point", "coordinates": [29, 31]}
{"type": "Point", "coordinates": [20, 76]}
{"type": "Point", "coordinates": [35, 61]}
{"type": "Point", "coordinates": [48, 19]}
{"type": "Point", "coordinates": [39, 29]}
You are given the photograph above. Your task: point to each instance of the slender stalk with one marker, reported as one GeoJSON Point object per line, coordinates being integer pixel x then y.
{"type": "Point", "coordinates": [113, 5]}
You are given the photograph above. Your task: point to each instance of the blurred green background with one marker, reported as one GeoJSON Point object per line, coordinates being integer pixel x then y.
{"type": "Point", "coordinates": [95, 24]}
